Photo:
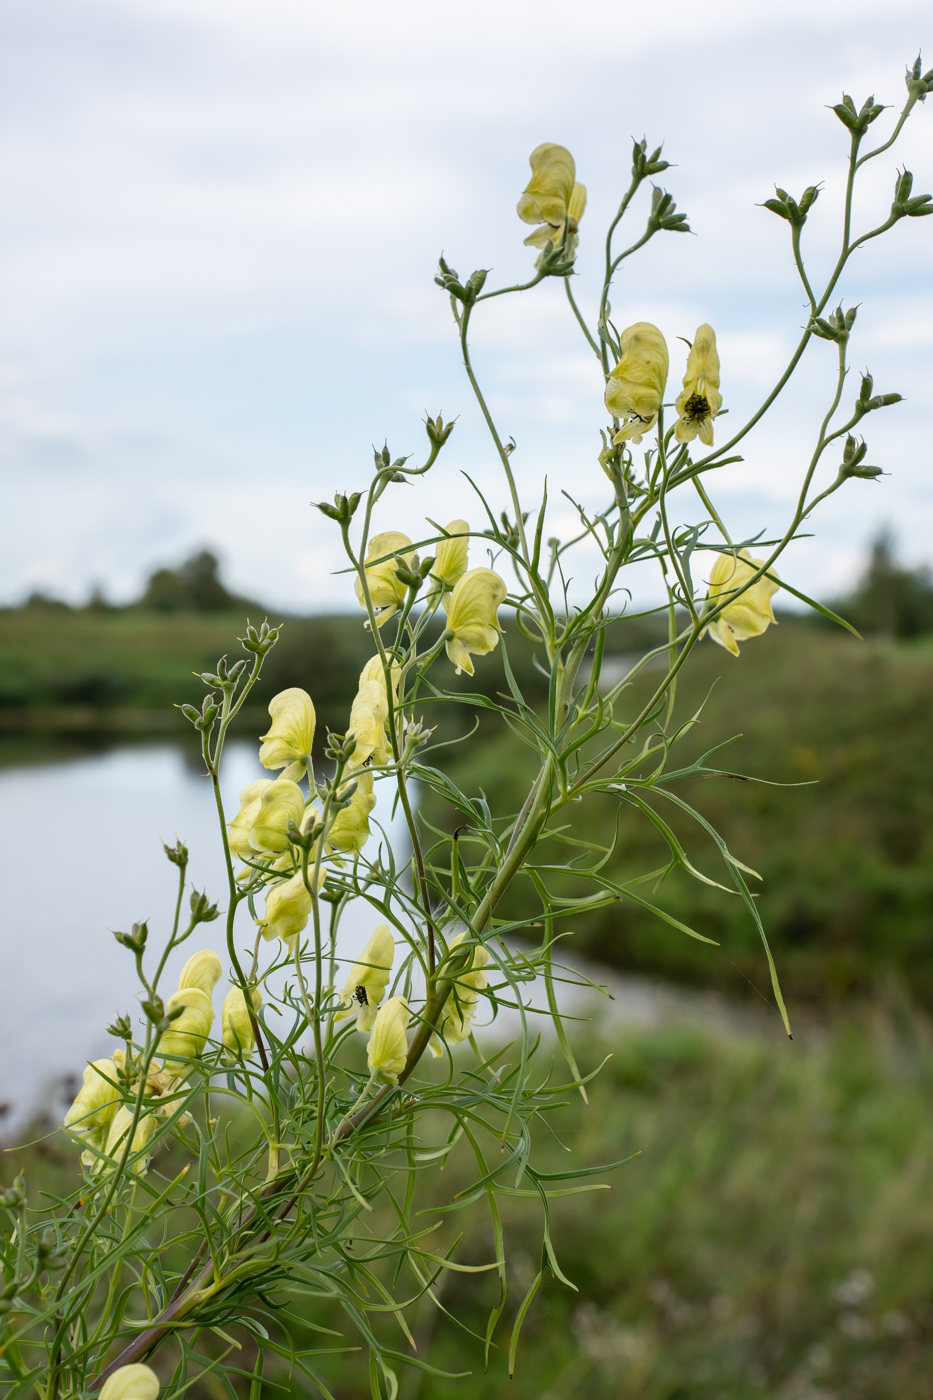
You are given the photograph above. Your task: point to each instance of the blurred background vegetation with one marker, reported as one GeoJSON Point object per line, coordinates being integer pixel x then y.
{"type": "Point", "coordinates": [774, 1236]}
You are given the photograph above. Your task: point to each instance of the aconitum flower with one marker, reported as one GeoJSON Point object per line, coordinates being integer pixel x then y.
{"type": "Point", "coordinates": [202, 970]}
{"type": "Point", "coordinates": [291, 734]}
{"type": "Point", "coordinates": [186, 1035]}
{"type": "Point", "coordinates": [136, 1382]}
{"type": "Point", "coordinates": [89, 1117]}
{"type": "Point", "coordinates": [553, 199]}
{"type": "Point", "coordinates": [288, 907]}
{"type": "Point", "coordinates": [700, 400]}
{"type": "Point", "coordinates": [349, 830]}
{"type": "Point", "coordinates": [280, 803]}
{"type": "Point", "coordinates": [635, 389]}
{"type": "Point", "coordinates": [120, 1127]}
{"type": "Point", "coordinates": [387, 1049]}
{"type": "Point", "coordinates": [239, 829]}
{"type": "Point", "coordinates": [450, 558]}
{"type": "Point", "coordinates": [366, 985]}
{"type": "Point", "coordinates": [386, 590]}
{"type": "Point", "coordinates": [457, 1015]}
{"type": "Point", "coordinates": [748, 615]}
{"type": "Point", "coordinates": [472, 624]}
{"type": "Point", "coordinates": [238, 1037]}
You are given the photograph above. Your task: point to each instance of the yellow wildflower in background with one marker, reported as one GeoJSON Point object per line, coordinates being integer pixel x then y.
{"type": "Point", "coordinates": [202, 970]}
{"type": "Point", "coordinates": [450, 559]}
{"type": "Point", "coordinates": [366, 985]}
{"type": "Point", "coordinates": [288, 907]}
{"type": "Point", "coordinates": [291, 735]}
{"type": "Point", "coordinates": [280, 803]}
{"type": "Point", "coordinates": [136, 1382]}
{"type": "Point", "coordinates": [635, 389]}
{"type": "Point", "coordinates": [553, 199]}
{"type": "Point", "coordinates": [349, 830]}
{"type": "Point", "coordinates": [457, 1015]}
{"type": "Point", "coordinates": [239, 829]}
{"type": "Point", "coordinates": [186, 1035]}
{"type": "Point", "coordinates": [238, 1037]}
{"type": "Point", "coordinates": [700, 400]}
{"type": "Point", "coordinates": [386, 589]}
{"type": "Point", "coordinates": [387, 1049]}
{"type": "Point", "coordinates": [89, 1117]}
{"type": "Point", "coordinates": [747, 616]}
{"type": "Point", "coordinates": [472, 624]}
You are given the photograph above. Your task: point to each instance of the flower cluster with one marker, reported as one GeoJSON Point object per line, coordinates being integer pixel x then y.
{"type": "Point", "coordinates": [635, 388]}
{"type": "Point", "coordinates": [113, 1105]}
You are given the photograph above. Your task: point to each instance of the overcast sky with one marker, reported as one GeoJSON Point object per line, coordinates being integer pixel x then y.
{"type": "Point", "coordinates": [218, 236]}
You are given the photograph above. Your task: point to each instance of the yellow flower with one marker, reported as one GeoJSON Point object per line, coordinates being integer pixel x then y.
{"type": "Point", "coordinates": [450, 559]}
{"type": "Point", "coordinates": [186, 1035]}
{"type": "Point", "coordinates": [635, 390]}
{"type": "Point", "coordinates": [386, 589]}
{"type": "Point", "coordinates": [553, 199]}
{"type": "Point", "coordinates": [238, 1035]}
{"type": "Point", "coordinates": [748, 615]}
{"type": "Point", "coordinates": [131, 1383]}
{"type": "Point", "coordinates": [472, 625]}
{"type": "Point", "coordinates": [457, 1015]}
{"type": "Point", "coordinates": [370, 711]}
{"type": "Point", "coordinates": [238, 830]}
{"type": "Point", "coordinates": [387, 1050]}
{"type": "Point", "coordinates": [202, 970]}
{"type": "Point", "coordinates": [288, 907]}
{"type": "Point", "coordinates": [89, 1117]}
{"type": "Point", "coordinates": [116, 1138]}
{"type": "Point", "coordinates": [279, 803]}
{"type": "Point", "coordinates": [291, 735]}
{"type": "Point", "coordinates": [700, 400]}
{"type": "Point", "coordinates": [350, 828]}
{"type": "Point", "coordinates": [366, 985]}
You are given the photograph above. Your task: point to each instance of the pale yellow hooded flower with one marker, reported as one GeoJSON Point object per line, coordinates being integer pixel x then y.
{"type": "Point", "coordinates": [387, 1049]}
{"type": "Point", "coordinates": [386, 589]}
{"type": "Point", "coordinates": [137, 1382]}
{"type": "Point", "coordinates": [366, 985]}
{"type": "Point", "coordinates": [186, 1035]}
{"type": "Point", "coordinates": [553, 199]}
{"type": "Point", "coordinates": [291, 734]}
{"type": "Point", "coordinates": [202, 970]}
{"type": "Point", "coordinates": [280, 803]}
{"type": "Point", "coordinates": [239, 829]}
{"type": "Point", "coordinates": [350, 828]}
{"type": "Point", "coordinates": [450, 558]}
{"type": "Point", "coordinates": [748, 615]}
{"type": "Point", "coordinates": [288, 908]}
{"type": "Point", "coordinates": [700, 400]}
{"type": "Point", "coordinates": [90, 1116]}
{"type": "Point", "coordinates": [120, 1127]}
{"type": "Point", "coordinates": [457, 1015]}
{"type": "Point", "coordinates": [635, 389]}
{"type": "Point", "coordinates": [238, 1037]}
{"type": "Point", "coordinates": [370, 712]}
{"type": "Point", "coordinates": [472, 624]}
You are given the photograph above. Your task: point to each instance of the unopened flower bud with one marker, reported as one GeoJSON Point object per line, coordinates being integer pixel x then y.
{"type": "Point", "coordinates": [202, 910]}
{"type": "Point", "coordinates": [437, 430]}
{"type": "Point", "coordinates": [177, 854]}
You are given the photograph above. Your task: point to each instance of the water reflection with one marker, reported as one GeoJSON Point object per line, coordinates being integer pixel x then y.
{"type": "Point", "coordinates": [82, 840]}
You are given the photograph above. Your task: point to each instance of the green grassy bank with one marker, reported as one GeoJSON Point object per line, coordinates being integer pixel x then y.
{"type": "Point", "coordinates": [772, 1238]}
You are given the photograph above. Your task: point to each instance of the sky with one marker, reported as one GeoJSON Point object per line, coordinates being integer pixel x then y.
{"type": "Point", "coordinates": [220, 227]}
